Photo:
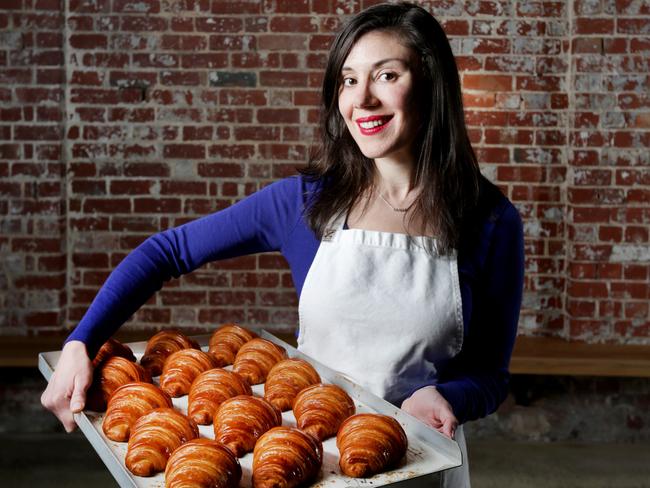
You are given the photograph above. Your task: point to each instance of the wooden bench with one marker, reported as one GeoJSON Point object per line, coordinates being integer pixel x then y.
{"type": "Point", "coordinates": [553, 356]}
{"type": "Point", "coordinates": [531, 356]}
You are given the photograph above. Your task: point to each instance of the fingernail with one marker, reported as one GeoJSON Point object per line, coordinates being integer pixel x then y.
{"type": "Point", "coordinates": [75, 406]}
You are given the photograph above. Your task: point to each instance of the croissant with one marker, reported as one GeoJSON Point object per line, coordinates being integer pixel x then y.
{"type": "Point", "coordinates": [181, 368]}
{"type": "Point", "coordinates": [154, 437]}
{"type": "Point", "coordinates": [202, 462]}
{"type": "Point", "coordinates": [127, 404]}
{"type": "Point", "coordinates": [161, 345]}
{"type": "Point", "coordinates": [210, 389]}
{"type": "Point", "coordinates": [256, 358]}
{"type": "Point", "coordinates": [226, 342]}
{"type": "Point", "coordinates": [285, 457]}
{"type": "Point", "coordinates": [112, 347]}
{"type": "Point", "coordinates": [320, 409]}
{"type": "Point", "coordinates": [370, 443]}
{"type": "Point", "coordinates": [111, 374]}
{"type": "Point", "coordinates": [286, 379]}
{"type": "Point", "coordinates": [241, 420]}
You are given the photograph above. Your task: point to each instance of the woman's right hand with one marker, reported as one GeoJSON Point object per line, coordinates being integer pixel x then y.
{"type": "Point", "coordinates": [65, 394]}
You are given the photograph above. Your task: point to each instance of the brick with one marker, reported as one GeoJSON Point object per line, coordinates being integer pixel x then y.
{"type": "Point", "coordinates": [130, 187]}
{"type": "Point", "coordinates": [293, 24]}
{"type": "Point", "coordinates": [257, 133]}
{"type": "Point", "coordinates": [220, 170]}
{"type": "Point", "coordinates": [184, 151]}
{"type": "Point", "coordinates": [186, 298]}
{"type": "Point", "coordinates": [156, 205]}
{"type": "Point", "coordinates": [146, 169]}
{"type": "Point", "coordinates": [219, 24]}
{"type": "Point", "coordinates": [143, 24]}
{"type": "Point", "coordinates": [489, 83]}
{"type": "Point", "coordinates": [236, 7]}
{"type": "Point", "coordinates": [282, 42]}
{"type": "Point", "coordinates": [136, 6]}
{"type": "Point", "coordinates": [180, 78]}
{"type": "Point", "coordinates": [229, 79]}
{"type": "Point", "coordinates": [283, 79]}
{"type": "Point", "coordinates": [88, 41]}
{"type": "Point", "coordinates": [594, 26]}
{"type": "Point", "coordinates": [85, 6]}
{"type": "Point", "coordinates": [183, 188]}
{"type": "Point", "coordinates": [90, 260]}
{"type": "Point", "coordinates": [112, 205]}
{"type": "Point", "coordinates": [211, 60]}
{"type": "Point", "coordinates": [278, 116]}
{"type": "Point", "coordinates": [638, 26]}
{"type": "Point", "coordinates": [231, 151]}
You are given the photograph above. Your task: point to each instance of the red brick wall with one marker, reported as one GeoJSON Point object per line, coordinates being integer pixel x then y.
{"type": "Point", "coordinates": [121, 118]}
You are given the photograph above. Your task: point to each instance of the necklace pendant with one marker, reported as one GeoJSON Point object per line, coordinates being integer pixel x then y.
{"type": "Point", "coordinates": [395, 209]}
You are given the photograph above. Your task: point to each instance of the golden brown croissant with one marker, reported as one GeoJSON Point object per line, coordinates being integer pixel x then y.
{"type": "Point", "coordinates": [226, 342]}
{"type": "Point", "coordinates": [210, 389]}
{"type": "Point", "coordinates": [285, 457]}
{"type": "Point", "coordinates": [127, 404]}
{"type": "Point", "coordinates": [320, 409]}
{"type": "Point", "coordinates": [154, 437]}
{"type": "Point", "coordinates": [286, 379]}
{"type": "Point", "coordinates": [181, 368]}
{"type": "Point", "coordinates": [241, 420]}
{"type": "Point", "coordinates": [370, 443]}
{"type": "Point", "coordinates": [161, 345]}
{"type": "Point", "coordinates": [202, 463]}
{"type": "Point", "coordinates": [112, 347]}
{"type": "Point", "coordinates": [256, 358]}
{"type": "Point", "coordinates": [111, 374]}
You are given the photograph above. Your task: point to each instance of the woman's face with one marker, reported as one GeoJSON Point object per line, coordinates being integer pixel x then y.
{"type": "Point", "coordinates": [377, 99]}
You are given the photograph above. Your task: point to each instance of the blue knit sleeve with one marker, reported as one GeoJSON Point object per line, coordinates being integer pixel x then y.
{"type": "Point", "coordinates": [258, 223]}
{"type": "Point", "coordinates": [475, 382]}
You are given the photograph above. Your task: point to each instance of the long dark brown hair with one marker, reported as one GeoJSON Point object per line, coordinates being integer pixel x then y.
{"type": "Point", "coordinates": [446, 169]}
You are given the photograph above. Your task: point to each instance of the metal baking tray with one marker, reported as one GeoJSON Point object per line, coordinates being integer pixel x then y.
{"type": "Point", "coordinates": [429, 452]}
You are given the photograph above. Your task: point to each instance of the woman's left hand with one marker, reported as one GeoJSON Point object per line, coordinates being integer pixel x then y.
{"type": "Point", "coordinates": [430, 407]}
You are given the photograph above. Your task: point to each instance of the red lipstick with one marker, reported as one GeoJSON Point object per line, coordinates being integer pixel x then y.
{"type": "Point", "coordinates": [372, 125]}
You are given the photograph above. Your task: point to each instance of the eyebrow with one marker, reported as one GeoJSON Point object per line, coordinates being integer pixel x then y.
{"type": "Point", "coordinates": [379, 63]}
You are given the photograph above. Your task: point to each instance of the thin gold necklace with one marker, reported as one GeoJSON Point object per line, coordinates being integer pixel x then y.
{"type": "Point", "coordinates": [395, 209]}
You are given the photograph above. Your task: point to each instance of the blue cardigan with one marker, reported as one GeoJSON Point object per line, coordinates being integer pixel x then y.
{"type": "Point", "coordinates": [490, 266]}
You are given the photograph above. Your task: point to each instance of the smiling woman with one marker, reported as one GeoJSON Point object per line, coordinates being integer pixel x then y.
{"type": "Point", "coordinates": [407, 262]}
{"type": "Point", "coordinates": [377, 97]}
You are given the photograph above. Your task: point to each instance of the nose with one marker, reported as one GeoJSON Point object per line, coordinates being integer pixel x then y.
{"type": "Point", "coordinates": [363, 96]}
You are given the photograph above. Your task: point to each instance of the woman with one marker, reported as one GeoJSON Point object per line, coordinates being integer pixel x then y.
{"type": "Point", "coordinates": [407, 262]}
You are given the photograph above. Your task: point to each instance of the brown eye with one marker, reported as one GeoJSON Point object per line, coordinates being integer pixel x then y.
{"type": "Point", "coordinates": [388, 76]}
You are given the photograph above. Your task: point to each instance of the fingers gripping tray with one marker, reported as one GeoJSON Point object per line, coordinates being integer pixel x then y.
{"type": "Point", "coordinates": [429, 452]}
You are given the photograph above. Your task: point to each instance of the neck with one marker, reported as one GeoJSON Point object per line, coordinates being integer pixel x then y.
{"type": "Point", "coordinates": [394, 179]}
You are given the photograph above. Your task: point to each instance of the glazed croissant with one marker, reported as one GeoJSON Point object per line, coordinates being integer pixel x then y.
{"type": "Point", "coordinates": [320, 409]}
{"type": "Point", "coordinates": [161, 345]}
{"type": "Point", "coordinates": [210, 389]}
{"type": "Point", "coordinates": [112, 347]}
{"type": "Point", "coordinates": [256, 358]}
{"type": "Point", "coordinates": [111, 374]}
{"type": "Point", "coordinates": [127, 404]}
{"type": "Point", "coordinates": [370, 443]}
{"type": "Point", "coordinates": [285, 457]}
{"type": "Point", "coordinates": [202, 462]}
{"type": "Point", "coordinates": [154, 437]}
{"type": "Point", "coordinates": [226, 342]}
{"type": "Point", "coordinates": [181, 368]}
{"type": "Point", "coordinates": [286, 379]}
{"type": "Point", "coordinates": [241, 420]}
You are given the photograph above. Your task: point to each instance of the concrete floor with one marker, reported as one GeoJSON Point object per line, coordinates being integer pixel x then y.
{"type": "Point", "coordinates": [60, 460]}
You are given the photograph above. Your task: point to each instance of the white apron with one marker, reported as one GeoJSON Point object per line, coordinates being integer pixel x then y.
{"type": "Point", "coordinates": [378, 307]}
